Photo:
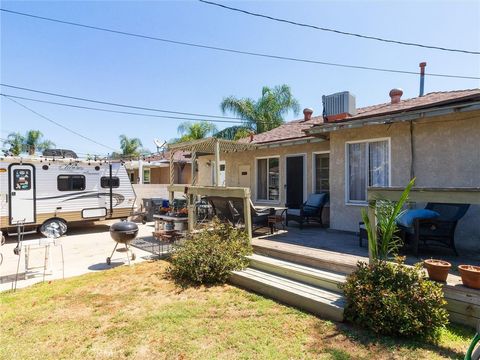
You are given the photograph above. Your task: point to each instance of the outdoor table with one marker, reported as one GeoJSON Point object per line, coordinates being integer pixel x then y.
{"type": "Point", "coordinates": [273, 220]}
{"type": "Point", "coordinates": [168, 219]}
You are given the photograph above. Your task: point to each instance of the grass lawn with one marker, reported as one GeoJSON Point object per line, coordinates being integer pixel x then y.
{"type": "Point", "coordinates": [135, 313]}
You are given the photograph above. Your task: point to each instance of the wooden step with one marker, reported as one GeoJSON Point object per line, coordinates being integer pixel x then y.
{"type": "Point", "coordinates": [324, 279]}
{"type": "Point", "coordinates": [315, 258]}
{"type": "Point", "coordinates": [326, 304]}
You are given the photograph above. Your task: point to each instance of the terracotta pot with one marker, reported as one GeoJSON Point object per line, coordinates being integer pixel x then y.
{"type": "Point", "coordinates": [470, 275]}
{"type": "Point", "coordinates": [437, 269]}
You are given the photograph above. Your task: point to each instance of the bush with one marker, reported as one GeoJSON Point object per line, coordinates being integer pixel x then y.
{"type": "Point", "coordinates": [209, 256]}
{"type": "Point", "coordinates": [393, 299]}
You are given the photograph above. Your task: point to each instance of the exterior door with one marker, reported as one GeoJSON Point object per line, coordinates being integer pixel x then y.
{"type": "Point", "coordinates": [244, 176]}
{"type": "Point", "coordinates": [295, 180]}
{"type": "Point", "coordinates": [22, 193]}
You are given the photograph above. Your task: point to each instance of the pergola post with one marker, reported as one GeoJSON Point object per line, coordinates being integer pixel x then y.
{"type": "Point", "coordinates": [372, 217]}
{"type": "Point", "coordinates": [171, 194]}
{"type": "Point", "coordinates": [246, 213]}
{"type": "Point", "coordinates": [217, 162]}
{"type": "Point", "coordinates": [193, 180]}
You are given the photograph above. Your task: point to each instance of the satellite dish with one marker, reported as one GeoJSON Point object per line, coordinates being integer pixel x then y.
{"type": "Point", "coordinates": [159, 144]}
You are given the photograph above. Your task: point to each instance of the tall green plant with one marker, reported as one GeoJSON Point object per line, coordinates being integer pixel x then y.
{"type": "Point", "coordinates": [383, 240]}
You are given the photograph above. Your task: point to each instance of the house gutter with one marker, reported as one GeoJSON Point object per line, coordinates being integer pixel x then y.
{"type": "Point", "coordinates": [275, 144]}
{"type": "Point", "coordinates": [393, 118]}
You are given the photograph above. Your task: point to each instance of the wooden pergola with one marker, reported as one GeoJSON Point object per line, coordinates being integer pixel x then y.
{"type": "Point", "coordinates": [209, 146]}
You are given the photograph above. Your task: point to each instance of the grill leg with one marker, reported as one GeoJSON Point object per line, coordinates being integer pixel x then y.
{"type": "Point", "coordinates": [115, 248]}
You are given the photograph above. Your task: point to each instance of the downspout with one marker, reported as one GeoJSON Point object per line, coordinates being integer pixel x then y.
{"type": "Point", "coordinates": [412, 152]}
{"type": "Point", "coordinates": [422, 77]}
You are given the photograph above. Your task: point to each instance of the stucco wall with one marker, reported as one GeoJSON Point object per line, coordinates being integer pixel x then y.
{"type": "Point", "coordinates": [447, 154]}
{"type": "Point", "coordinates": [234, 160]}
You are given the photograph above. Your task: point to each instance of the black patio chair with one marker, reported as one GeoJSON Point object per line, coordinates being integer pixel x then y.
{"type": "Point", "coordinates": [220, 208]}
{"type": "Point", "coordinates": [311, 209]}
{"type": "Point", "coordinates": [259, 217]}
{"type": "Point", "coordinates": [440, 230]}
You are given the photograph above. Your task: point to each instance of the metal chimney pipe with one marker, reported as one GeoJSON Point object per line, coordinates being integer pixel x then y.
{"type": "Point", "coordinates": [422, 77]}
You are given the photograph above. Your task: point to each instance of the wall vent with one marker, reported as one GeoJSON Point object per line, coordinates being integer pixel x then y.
{"type": "Point", "coordinates": [338, 106]}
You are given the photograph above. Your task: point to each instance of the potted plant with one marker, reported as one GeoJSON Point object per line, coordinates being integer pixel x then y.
{"type": "Point", "coordinates": [437, 269]}
{"type": "Point", "coordinates": [470, 275]}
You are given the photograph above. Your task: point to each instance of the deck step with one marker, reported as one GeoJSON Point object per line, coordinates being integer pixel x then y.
{"type": "Point", "coordinates": [324, 279]}
{"type": "Point", "coordinates": [315, 258]}
{"type": "Point", "coordinates": [325, 303]}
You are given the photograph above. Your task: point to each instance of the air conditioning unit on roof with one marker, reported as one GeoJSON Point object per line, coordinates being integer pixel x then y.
{"type": "Point", "coordinates": [338, 106]}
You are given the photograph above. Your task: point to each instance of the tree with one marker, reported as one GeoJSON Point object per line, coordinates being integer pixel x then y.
{"type": "Point", "coordinates": [267, 112]}
{"type": "Point", "coordinates": [233, 133]}
{"type": "Point", "coordinates": [15, 143]}
{"type": "Point", "coordinates": [196, 130]}
{"type": "Point", "coordinates": [130, 146]}
{"type": "Point", "coordinates": [33, 142]}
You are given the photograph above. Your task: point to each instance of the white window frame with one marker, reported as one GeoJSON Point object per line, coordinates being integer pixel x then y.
{"type": "Point", "coordinates": [266, 201]}
{"type": "Point", "coordinates": [314, 173]}
{"type": "Point", "coordinates": [305, 190]}
{"type": "Point", "coordinates": [347, 166]}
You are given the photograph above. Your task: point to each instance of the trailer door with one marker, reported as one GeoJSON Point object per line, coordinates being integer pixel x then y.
{"type": "Point", "coordinates": [22, 193]}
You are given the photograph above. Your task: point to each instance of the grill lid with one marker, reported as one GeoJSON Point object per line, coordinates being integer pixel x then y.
{"type": "Point", "coordinates": [124, 226]}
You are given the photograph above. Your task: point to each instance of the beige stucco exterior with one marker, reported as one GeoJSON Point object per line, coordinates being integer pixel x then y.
{"type": "Point", "coordinates": [446, 154]}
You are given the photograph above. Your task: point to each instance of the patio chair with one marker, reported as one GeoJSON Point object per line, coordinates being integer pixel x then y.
{"type": "Point", "coordinates": [220, 208]}
{"type": "Point", "coordinates": [440, 230]}
{"type": "Point", "coordinates": [312, 209]}
{"type": "Point", "coordinates": [259, 217]}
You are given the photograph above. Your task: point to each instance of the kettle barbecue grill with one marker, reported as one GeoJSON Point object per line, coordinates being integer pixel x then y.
{"type": "Point", "coordinates": [123, 232]}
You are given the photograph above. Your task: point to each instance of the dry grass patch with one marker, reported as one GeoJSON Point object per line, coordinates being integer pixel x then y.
{"type": "Point", "coordinates": [137, 313]}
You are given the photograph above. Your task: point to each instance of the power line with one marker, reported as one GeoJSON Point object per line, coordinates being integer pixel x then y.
{"type": "Point", "coordinates": [117, 104]}
{"type": "Point", "coordinates": [58, 124]}
{"type": "Point", "coordinates": [234, 51]}
{"type": "Point", "coordinates": [118, 112]}
{"type": "Point", "coordinates": [339, 31]}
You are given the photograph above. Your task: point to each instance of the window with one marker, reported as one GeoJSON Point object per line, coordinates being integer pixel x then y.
{"type": "Point", "coordinates": [105, 182]}
{"type": "Point", "coordinates": [146, 176]}
{"type": "Point", "coordinates": [71, 182]}
{"type": "Point", "coordinates": [321, 172]}
{"type": "Point", "coordinates": [368, 164]}
{"type": "Point", "coordinates": [21, 179]}
{"type": "Point", "coordinates": [268, 177]}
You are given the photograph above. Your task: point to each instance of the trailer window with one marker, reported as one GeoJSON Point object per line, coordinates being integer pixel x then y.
{"type": "Point", "coordinates": [21, 179]}
{"type": "Point", "coordinates": [105, 182]}
{"type": "Point", "coordinates": [71, 182]}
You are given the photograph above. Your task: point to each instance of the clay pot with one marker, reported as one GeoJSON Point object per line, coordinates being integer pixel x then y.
{"type": "Point", "coordinates": [437, 269]}
{"type": "Point", "coordinates": [470, 276]}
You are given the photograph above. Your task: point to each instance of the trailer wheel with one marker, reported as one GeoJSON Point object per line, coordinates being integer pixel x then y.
{"type": "Point", "coordinates": [54, 228]}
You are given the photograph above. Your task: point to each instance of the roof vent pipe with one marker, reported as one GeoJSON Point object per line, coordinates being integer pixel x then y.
{"type": "Point", "coordinates": [307, 114]}
{"type": "Point", "coordinates": [395, 95]}
{"type": "Point", "coordinates": [422, 77]}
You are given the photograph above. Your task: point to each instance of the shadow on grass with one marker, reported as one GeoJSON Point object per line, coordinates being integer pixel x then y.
{"type": "Point", "coordinates": [369, 339]}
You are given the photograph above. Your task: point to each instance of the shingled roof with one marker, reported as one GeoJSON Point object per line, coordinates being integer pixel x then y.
{"type": "Point", "coordinates": [295, 129]}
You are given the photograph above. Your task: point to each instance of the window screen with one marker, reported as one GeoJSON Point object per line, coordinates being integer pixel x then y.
{"type": "Point", "coordinates": [105, 182]}
{"type": "Point", "coordinates": [71, 182]}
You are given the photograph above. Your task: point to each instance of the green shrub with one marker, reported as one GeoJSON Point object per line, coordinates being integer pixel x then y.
{"type": "Point", "coordinates": [208, 257]}
{"type": "Point", "coordinates": [393, 299]}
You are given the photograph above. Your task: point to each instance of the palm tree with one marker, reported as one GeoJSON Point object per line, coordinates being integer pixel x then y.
{"type": "Point", "coordinates": [233, 133]}
{"type": "Point", "coordinates": [33, 142]}
{"type": "Point", "coordinates": [130, 147]}
{"type": "Point", "coordinates": [194, 131]}
{"type": "Point", "coordinates": [15, 142]}
{"type": "Point", "coordinates": [267, 112]}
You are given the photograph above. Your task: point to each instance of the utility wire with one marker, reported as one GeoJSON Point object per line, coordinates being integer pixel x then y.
{"type": "Point", "coordinates": [234, 51]}
{"type": "Point", "coordinates": [58, 124]}
{"type": "Point", "coordinates": [117, 104]}
{"type": "Point", "coordinates": [118, 112]}
{"type": "Point", "coordinates": [338, 31]}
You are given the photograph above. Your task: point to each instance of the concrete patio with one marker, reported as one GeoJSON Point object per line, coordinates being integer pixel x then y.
{"type": "Point", "coordinates": [85, 250]}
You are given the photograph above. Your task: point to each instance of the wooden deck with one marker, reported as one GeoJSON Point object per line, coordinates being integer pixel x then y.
{"type": "Point", "coordinates": [340, 252]}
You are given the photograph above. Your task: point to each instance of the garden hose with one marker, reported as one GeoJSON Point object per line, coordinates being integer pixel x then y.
{"type": "Point", "coordinates": [472, 353]}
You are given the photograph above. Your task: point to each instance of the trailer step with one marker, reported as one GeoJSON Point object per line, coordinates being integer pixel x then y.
{"type": "Point", "coordinates": [23, 233]}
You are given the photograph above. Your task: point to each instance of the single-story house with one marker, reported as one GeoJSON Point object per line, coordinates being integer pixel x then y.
{"type": "Point", "coordinates": [435, 138]}
{"type": "Point", "coordinates": [156, 169]}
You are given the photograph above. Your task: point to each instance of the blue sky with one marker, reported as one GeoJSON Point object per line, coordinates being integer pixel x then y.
{"type": "Point", "coordinates": [86, 63]}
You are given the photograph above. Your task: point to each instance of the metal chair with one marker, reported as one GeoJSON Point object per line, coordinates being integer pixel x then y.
{"type": "Point", "coordinates": [312, 209]}
{"type": "Point", "coordinates": [440, 231]}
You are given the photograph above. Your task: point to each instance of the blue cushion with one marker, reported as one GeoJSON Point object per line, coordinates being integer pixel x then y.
{"type": "Point", "coordinates": [408, 217]}
{"type": "Point", "coordinates": [315, 200]}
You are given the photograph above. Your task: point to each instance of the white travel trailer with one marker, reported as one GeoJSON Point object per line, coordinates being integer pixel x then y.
{"type": "Point", "coordinates": [38, 191]}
